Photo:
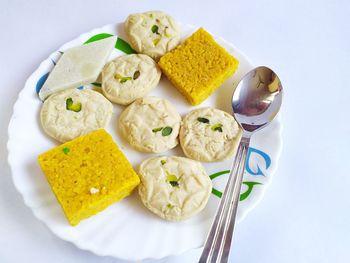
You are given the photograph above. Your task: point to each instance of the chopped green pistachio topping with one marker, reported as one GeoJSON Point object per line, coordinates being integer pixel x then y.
{"type": "Point", "coordinates": [172, 179]}
{"type": "Point", "coordinates": [169, 206]}
{"type": "Point", "coordinates": [125, 79]}
{"type": "Point", "coordinates": [66, 150]}
{"type": "Point", "coordinates": [136, 75]}
{"type": "Point", "coordinates": [174, 183]}
{"type": "Point", "coordinates": [157, 129]}
{"type": "Point", "coordinates": [165, 32]}
{"type": "Point", "coordinates": [204, 120]}
{"type": "Point", "coordinates": [217, 127]}
{"type": "Point", "coordinates": [76, 107]}
{"type": "Point", "coordinates": [118, 76]}
{"type": "Point", "coordinates": [121, 78]}
{"type": "Point", "coordinates": [156, 41]}
{"type": "Point", "coordinates": [162, 162]}
{"type": "Point", "coordinates": [167, 131]}
{"type": "Point", "coordinates": [155, 29]}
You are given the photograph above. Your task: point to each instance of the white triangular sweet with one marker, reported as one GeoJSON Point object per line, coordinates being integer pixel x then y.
{"type": "Point", "coordinates": [78, 66]}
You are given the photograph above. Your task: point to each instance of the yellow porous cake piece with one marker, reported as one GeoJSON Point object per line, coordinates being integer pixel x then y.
{"type": "Point", "coordinates": [88, 174]}
{"type": "Point", "coordinates": [198, 66]}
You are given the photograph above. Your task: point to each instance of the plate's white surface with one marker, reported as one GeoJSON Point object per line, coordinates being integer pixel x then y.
{"type": "Point", "coordinates": [126, 229]}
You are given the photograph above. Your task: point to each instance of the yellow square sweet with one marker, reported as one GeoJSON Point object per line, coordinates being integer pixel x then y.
{"type": "Point", "coordinates": [88, 174]}
{"type": "Point", "coordinates": [198, 66]}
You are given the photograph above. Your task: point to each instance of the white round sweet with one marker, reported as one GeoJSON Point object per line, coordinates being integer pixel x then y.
{"type": "Point", "coordinates": [129, 77]}
{"type": "Point", "coordinates": [174, 188]}
{"type": "Point", "coordinates": [150, 124]}
{"type": "Point", "coordinates": [209, 135]}
{"type": "Point", "coordinates": [153, 33]}
{"type": "Point", "coordinates": [68, 114]}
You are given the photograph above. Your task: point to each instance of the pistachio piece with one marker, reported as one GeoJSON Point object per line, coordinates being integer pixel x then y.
{"type": "Point", "coordinates": [217, 127]}
{"type": "Point", "coordinates": [155, 29]}
{"type": "Point", "coordinates": [172, 179]}
{"type": "Point", "coordinates": [136, 74]}
{"type": "Point", "coordinates": [121, 78]}
{"type": "Point", "coordinates": [65, 150]}
{"type": "Point", "coordinates": [157, 129]}
{"type": "Point", "coordinates": [156, 41]}
{"type": "Point", "coordinates": [167, 131]}
{"type": "Point", "coordinates": [204, 120]}
{"type": "Point", "coordinates": [125, 79]}
{"type": "Point", "coordinates": [76, 107]}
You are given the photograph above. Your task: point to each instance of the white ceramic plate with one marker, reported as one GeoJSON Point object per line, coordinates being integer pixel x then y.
{"type": "Point", "coordinates": [127, 230]}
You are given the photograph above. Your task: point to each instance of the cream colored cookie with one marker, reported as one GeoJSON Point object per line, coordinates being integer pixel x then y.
{"type": "Point", "coordinates": [174, 188]}
{"type": "Point", "coordinates": [209, 135]}
{"type": "Point", "coordinates": [68, 114]}
{"type": "Point", "coordinates": [129, 77]}
{"type": "Point", "coordinates": [152, 33]}
{"type": "Point", "coordinates": [150, 124]}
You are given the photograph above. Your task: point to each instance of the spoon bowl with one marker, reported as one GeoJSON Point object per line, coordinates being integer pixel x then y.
{"type": "Point", "coordinates": [257, 99]}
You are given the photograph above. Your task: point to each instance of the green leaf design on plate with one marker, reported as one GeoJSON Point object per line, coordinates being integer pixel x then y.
{"type": "Point", "coordinates": [212, 176]}
{"type": "Point", "coordinates": [97, 37]}
{"type": "Point", "coordinates": [121, 44]}
{"type": "Point", "coordinates": [249, 190]}
{"type": "Point", "coordinates": [243, 196]}
{"type": "Point", "coordinates": [216, 192]}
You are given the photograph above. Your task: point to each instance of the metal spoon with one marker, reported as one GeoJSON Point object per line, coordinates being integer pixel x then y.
{"type": "Point", "coordinates": [255, 102]}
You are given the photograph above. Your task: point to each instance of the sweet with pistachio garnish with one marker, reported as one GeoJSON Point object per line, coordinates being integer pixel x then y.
{"type": "Point", "coordinates": [176, 189]}
{"type": "Point", "coordinates": [129, 77]}
{"type": "Point", "coordinates": [212, 138]}
{"type": "Point", "coordinates": [153, 33]}
{"type": "Point", "coordinates": [150, 124]}
{"type": "Point", "coordinates": [70, 113]}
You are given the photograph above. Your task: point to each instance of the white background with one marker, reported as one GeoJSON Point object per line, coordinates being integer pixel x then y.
{"type": "Point", "coordinates": [305, 214]}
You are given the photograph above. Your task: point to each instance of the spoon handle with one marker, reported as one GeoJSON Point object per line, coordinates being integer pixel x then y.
{"type": "Point", "coordinates": [218, 243]}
